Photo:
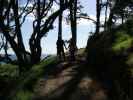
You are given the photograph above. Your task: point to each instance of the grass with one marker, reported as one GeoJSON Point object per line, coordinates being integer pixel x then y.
{"type": "Point", "coordinates": [25, 92]}
{"type": "Point", "coordinates": [23, 89]}
{"type": "Point", "coordinates": [122, 41]}
{"type": "Point", "coordinates": [111, 56]}
{"type": "Point", "coordinates": [8, 70]}
{"type": "Point", "coordinates": [23, 95]}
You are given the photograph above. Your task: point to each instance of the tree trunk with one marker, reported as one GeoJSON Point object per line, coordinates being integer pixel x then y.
{"type": "Point", "coordinates": [98, 11]}
{"type": "Point", "coordinates": [110, 22]}
{"type": "Point", "coordinates": [35, 48]}
{"type": "Point", "coordinates": [21, 52]}
{"type": "Point", "coordinates": [35, 40]}
{"type": "Point", "coordinates": [73, 20]}
{"type": "Point", "coordinates": [106, 12]}
{"type": "Point", "coordinates": [60, 21]}
{"type": "Point", "coordinates": [18, 47]}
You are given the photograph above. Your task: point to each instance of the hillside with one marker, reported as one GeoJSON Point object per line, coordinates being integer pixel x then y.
{"type": "Point", "coordinates": [104, 71]}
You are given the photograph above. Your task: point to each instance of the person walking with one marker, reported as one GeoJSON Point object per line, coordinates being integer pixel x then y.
{"type": "Point", "coordinates": [60, 49]}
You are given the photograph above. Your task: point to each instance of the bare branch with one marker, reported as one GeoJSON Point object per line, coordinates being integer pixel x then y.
{"type": "Point", "coordinates": [23, 11]}
{"type": "Point", "coordinates": [88, 18]}
{"type": "Point", "coordinates": [24, 17]}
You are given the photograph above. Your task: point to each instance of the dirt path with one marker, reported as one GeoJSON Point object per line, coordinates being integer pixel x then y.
{"type": "Point", "coordinates": [69, 84]}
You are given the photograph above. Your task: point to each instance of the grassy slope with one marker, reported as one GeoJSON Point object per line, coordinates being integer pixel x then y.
{"type": "Point", "coordinates": [118, 42]}
{"type": "Point", "coordinates": [23, 85]}
{"type": "Point", "coordinates": [123, 42]}
{"type": "Point", "coordinates": [111, 56]}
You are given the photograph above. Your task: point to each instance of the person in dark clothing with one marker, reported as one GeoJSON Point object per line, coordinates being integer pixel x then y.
{"type": "Point", "coordinates": [60, 49]}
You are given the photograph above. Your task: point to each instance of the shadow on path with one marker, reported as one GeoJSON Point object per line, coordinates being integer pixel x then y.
{"type": "Point", "coordinates": [69, 81]}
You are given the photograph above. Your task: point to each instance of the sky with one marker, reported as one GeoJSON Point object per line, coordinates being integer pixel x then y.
{"type": "Point", "coordinates": [48, 43]}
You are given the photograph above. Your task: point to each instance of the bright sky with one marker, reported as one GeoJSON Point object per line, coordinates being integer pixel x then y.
{"type": "Point", "coordinates": [49, 43]}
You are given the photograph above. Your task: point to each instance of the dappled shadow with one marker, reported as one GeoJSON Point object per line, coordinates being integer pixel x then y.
{"type": "Point", "coordinates": [72, 83]}
{"type": "Point", "coordinates": [60, 81]}
{"type": "Point", "coordinates": [54, 69]}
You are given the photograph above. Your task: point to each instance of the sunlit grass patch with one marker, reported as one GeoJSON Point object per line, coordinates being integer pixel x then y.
{"type": "Point", "coordinates": [122, 41]}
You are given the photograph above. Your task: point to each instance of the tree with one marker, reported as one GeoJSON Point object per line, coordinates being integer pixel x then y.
{"type": "Point", "coordinates": [118, 9]}
{"type": "Point", "coordinates": [60, 42]}
{"type": "Point", "coordinates": [11, 19]}
{"type": "Point", "coordinates": [37, 35]}
{"type": "Point", "coordinates": [4, 47]}
{"type": "Point", "coordinates": [5, 21]}
{"type": "Point", "coordinates": [73, 21]}
{"type": "Point", "coordinates": [106, 5]}
{"type": "Point", "coordinates": [98, 11]}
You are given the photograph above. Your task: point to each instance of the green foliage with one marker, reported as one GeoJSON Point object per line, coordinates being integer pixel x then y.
{"type": "Point", "coordinates": [8, 70]}
{"type": "Point", "coordinates": [28, 81]}
{"type": "Point", "coordinates": [45, 62]}
{"type": "Point", "coordinates": [39, 69]}
{"type": "Point", "coordinates": [122, 41]}
{"type": "Point", "coordinates": [23, 95]}
{"type": "Point", "coordinates": [110, 57]}
{"type": "Point", "coordinates": [24, 84]}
